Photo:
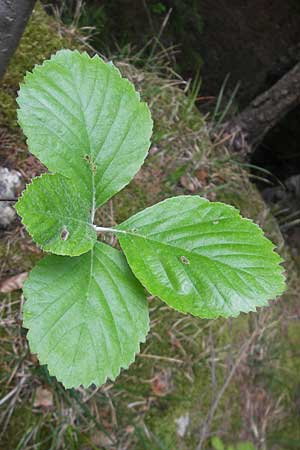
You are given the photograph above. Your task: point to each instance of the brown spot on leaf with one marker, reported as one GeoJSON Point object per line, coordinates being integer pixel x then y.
{"type": "Point", "coordinates": [91, 163]}
{"type": "Point", "coordinates": [184, 260]}
{"type": "Point", "coordinates": [64, 233]}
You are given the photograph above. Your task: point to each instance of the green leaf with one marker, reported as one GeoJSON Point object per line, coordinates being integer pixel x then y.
{"type": "Point", "coordinates": [57, 215]}
{"type": "Point", "coordinates": [245, 446]}
{"type": "Point", "coordinates": [83, 120]}
{"type": "Point", "coordinates": [86, 315]}
{"type": "Point", "coordinates": [201, 257]}
{"type": "Point", "coordinates": [217, 443]}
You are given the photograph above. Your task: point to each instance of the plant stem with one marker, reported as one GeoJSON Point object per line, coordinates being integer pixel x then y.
{"type": "Point", "coordinates": [107, 230]}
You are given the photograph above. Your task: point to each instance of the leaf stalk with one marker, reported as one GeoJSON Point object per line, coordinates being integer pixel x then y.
{"type": "Point", "coordinates": [108, 230]}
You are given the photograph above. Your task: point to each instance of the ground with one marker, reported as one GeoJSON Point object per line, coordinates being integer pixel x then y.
{"type": "Point", "coordinates": [245, 40]}
{"type": "Point", "coordinates": [194, 379]}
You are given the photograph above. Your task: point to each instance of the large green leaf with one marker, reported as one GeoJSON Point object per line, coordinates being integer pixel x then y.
{"type": "Point", "coordinates": [86, 315]}
{"type": "Point", "coordinates": [57, 215]}
{"type": "Point", "coordinates": [201, 257]}
{"type": "Point", "coordinates": [83, 120]}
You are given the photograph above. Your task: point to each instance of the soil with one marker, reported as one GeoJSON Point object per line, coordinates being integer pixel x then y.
{"type": "Point", "coordinates": [279, 153]}
{"type": "Point", "coordinates": [244, 39]}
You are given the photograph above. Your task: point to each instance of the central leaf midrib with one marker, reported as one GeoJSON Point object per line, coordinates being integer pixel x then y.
{"type": "Point", "coordinates": [84, 322]}
{"type": "Point", "coordinates": [115, 154]}
{"type": "Point", "coordinates": [88, 140]}
{"type": "Point", "coordinates": [190, 253]}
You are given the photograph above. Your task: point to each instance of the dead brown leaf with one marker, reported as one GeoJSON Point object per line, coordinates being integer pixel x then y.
{"type": "Point", "coordinates": [162, 384]}
{"type": "Point", "coordinates": [13, 283]}
{"type": "Point", "coordinates": [187, 183]}
{"type": "Point", "coordinates": [43, 398]}
{"type": "Point", "coordinates": [202, 175]}
{"type": "Point", "coordinates": [102, 440]}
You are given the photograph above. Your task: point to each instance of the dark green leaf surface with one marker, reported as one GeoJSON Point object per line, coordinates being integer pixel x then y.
{"type": "Point", "coordinates": [83, 120]}
{"type": "Point", "coordinates": [202, 257]}
{"type": "Point", "coordinates": [86, 315]}
{"type": "Point", "coordinates": [57, 215]}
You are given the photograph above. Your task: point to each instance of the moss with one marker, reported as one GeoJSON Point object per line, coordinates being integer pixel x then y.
{"type": "Point", "coordinates": [14, 434]}
{"type": "Point", "coordinates": [8, 107]}
{"type": "Point", "coordinates": [40, 40]}
{"type": "Point", "coordinates": [194, 389]}
{"type": "Point", "coordinates": [285, 380]}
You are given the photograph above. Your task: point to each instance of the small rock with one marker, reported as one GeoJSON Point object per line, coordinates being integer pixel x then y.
{"type": "Point", "coordinates": [10, 183]}
{"type": "Point", "coordinates": [182, 424]}
{"type": "Point", "coordinates": [7, 214]}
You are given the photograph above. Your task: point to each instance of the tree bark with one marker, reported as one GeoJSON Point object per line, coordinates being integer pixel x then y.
{"type": "Point", "coordinates": [14, 15]}
{"type": "Point", "coordinates": [249, 128]}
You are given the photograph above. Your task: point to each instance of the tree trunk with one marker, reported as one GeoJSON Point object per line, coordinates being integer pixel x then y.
{"type": "Point", "coordinates": [249, 128]}
{"type": "Point", "coordinates": [14, 15]}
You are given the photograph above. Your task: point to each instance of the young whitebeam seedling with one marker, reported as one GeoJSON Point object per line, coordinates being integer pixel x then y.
{"type": "Point", "coordinates": [85, 307]}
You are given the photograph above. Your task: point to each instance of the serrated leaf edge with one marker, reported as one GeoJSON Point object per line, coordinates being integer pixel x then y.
{"type": "Point", "coordinates": [265, 301]}
{"type": "Point", "coordinates": [96, 58]}
{"type": "Point", "coordinates": [51, 367]}
{"type": "Point", "coordinates": [26, 191]}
